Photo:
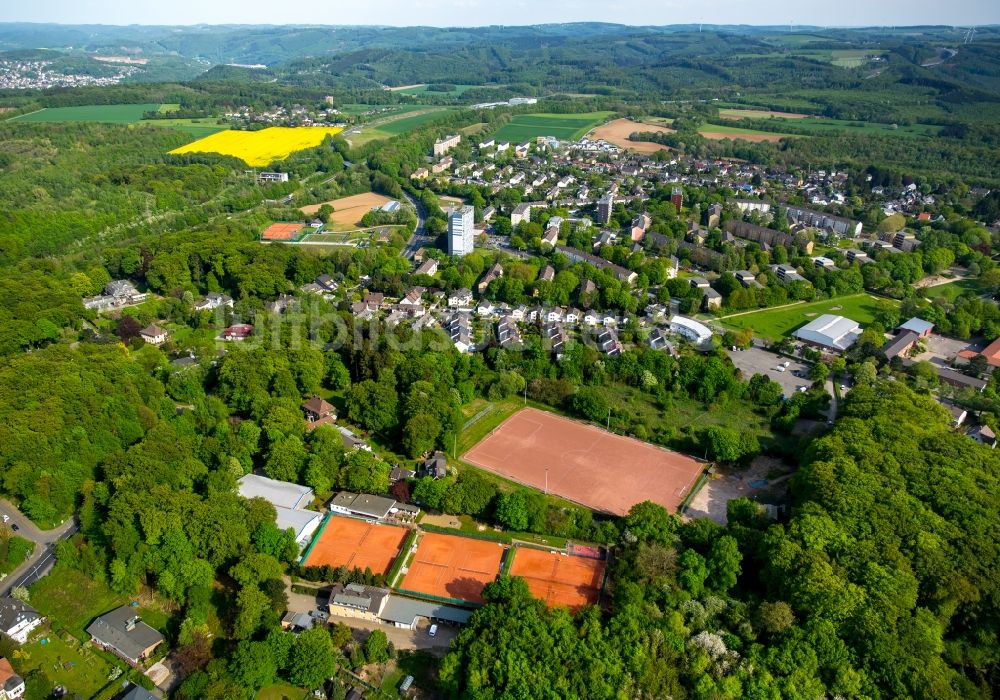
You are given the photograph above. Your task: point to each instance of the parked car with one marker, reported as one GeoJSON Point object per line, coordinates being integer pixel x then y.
{"type": "Point", "coordinates": [14, 527]}
{"type": "Point", "coordinates": [432, 631]}
{"type": "Point", "coordinates": [6, 518]}
{"type": "Point", "coordinates": [319, 614]}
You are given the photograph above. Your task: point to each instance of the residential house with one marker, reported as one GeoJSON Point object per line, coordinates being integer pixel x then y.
{"type": "Point", "coordinates": [608, 342]}
{"type": "Point", "coordinates": [508, 334]}
{"type": "Point", "coordinates": [123, 633]}
{"type": "Point", "coordinates": [787, 273]}
{"type": "Point", "coordinates": [522, 212]}
{"type": "Point", "coordinates": [551, 236]}
{"type": "Point", "coordinates": [712, 299]}
{"type": "Point", "coordinates": [547, 274]}
{"type": "Point", "coordinates": [698, 283]}
{"type": "Point", "coordinates": [11, 684]}
{"type": "Point", "coordinates": [984, 435]}
{"type": "Point", "coordinates": [461, 297]}
{"type": "Point", "coordinates": [153, 334]}
{"type": "Point", "coordinates": [495, 272]}
{"type": "Point", "coordinates": [213, 300]}
{"type": "Point", "coordinates": [281, 304]}
{"type": "Point", "coordinates": [639, 226]}
{"type": "Point", "coordinates": [485, 308]}
{"type": "Point", "coordinates": [240, 331]}
{"type": "Point", "coordinates": [318, 412]}
{"type": "Point", "coordinates": [436, 466]}
{"type": "Point", "coordinates": [459, 329]}
{"type": "Point", "coordinates": [858, 256]}
{"type": "Point", "coordinates": [400, 474]}
{"type": "Point", "coordinates": [557, 337]}
{"type": "Point", "coordinates": [17, 619]}
{"type": "Point", "coordinates": [427, 267]}
{"type": "Point", "coordinates": [767, 237]}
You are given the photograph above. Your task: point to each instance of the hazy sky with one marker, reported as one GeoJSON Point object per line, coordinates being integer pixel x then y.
{"type": "Point", "coordinates": [480, 12]}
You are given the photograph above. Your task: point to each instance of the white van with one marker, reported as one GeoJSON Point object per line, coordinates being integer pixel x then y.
{"type": "Point", "coordinates": [432, 631]}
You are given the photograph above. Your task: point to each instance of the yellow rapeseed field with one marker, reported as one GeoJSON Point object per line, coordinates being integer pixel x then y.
{"type": "Point", "coordinates": [258, 148]}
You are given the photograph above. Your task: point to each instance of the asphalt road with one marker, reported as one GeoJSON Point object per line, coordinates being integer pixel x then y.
{"type": "Point", "coordinates": [419, 238]}
{"type": "Point", "coordinates": [43, 557]}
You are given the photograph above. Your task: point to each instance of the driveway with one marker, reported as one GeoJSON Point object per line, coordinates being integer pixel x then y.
{"type": "Point", "coordinates": [760, 361]}
{"type": "Point", "coordinates": [43, 557]}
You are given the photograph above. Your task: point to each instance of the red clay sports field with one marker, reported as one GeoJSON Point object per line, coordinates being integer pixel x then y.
{"type": "Point", "coordinates": [585, 464]}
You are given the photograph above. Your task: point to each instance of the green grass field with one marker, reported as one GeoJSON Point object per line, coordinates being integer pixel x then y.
{"type": "Point", "coordinates": [565, 127]}
{"type": "Point", "coordinates": [422, 90]}
{"type": "Point", "coordinates": [282, 691]}
{"type": "Point", "coordinates": [198, 128]}
{"type": "Point", "coordinates": [396, 126]}
{"type": "Point", "coordinates": [111, 114]}
{"type": "Point", "coordinates": [774, 324]}
{"type": "Point", "coordinates": [952, 290]}
{"type": "Point", "coordinates": [823, 124]}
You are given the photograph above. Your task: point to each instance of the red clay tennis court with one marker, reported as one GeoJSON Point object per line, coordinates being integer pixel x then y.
{"type": "Point", "coordinates": [453, 567]}
{"type": "Point", "coordinates": [281, 232]}
{"type": "Point", "coordinates": [584, 464]}
{"type": "Point", "coordinates": [559, 579]}
{"type": "Point", "coordinates": [356, 544]}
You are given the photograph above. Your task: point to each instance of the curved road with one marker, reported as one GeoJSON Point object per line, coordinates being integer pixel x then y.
{"type": "Point", "coordinates": [419, 237]}
{"type": "Point", "coordinates": [43, 556]}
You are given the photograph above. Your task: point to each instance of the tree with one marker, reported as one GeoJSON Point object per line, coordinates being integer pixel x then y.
{"type": "Point", "coordinates": [723, 443]}
{"type": "Point", "coordinates": [724, 563]}
{"type": "Point", "coordinates": [693, 572]}
{"type": "Point", "coordinates": [775, 617]}
{"type": "Point", "coordinates": [819, 372]}
{"type": "Point", "coordinates": [253, 665]}
{"type": "Point", "coordinates": [128, 328]}
{"type": "Point", "coordinates": [251, 603]}
{"type": "Point", "coordinates": [311, 660]}
{"type": "Point", "coordinates": [865, 373]}
{"type": "Point", "coordinates": [591, 403]}
{"type": "Point", "coordinates": [420, 434]}
{"type": "Point", "coordinates": [373, 405]}
{"type": "Point", "coordinates": [285, 460]}
{"type": "Point", "coordinates": [377, 647]}
{"type": "Point", "coordinates": [512, 511]}
{"type": "Point", "coordinates": [651, 522]}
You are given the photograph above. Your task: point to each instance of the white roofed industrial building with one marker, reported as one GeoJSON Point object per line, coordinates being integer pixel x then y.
{"type": "Point", "coordinates": [289, 501]}
{"type": "Point", "coordinates": [833, 333]}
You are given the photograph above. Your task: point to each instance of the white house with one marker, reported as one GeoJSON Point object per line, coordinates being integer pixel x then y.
{"type": "Point", "coordinates": [154, 335]}
{"type": "Point", "coordinates": [18, 619]}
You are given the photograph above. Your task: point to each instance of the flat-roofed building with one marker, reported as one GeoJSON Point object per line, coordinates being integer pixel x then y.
{"type": "Point", "coordinates": [443, 145]}
{"type": "Point", "coordinates": [461, 231]}
{"type": "Point", "coordinates": [829, 332]}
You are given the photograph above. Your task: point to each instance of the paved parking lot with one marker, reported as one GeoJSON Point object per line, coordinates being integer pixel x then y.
{"type": "Point", "coordinates": [759, 361]}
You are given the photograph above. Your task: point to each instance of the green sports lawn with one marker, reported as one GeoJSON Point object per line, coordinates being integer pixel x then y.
{"type": "Point", "coordinates": [774, 324]}
{"type": "Point", "coordinates": [565, 127]}
{"type": "Point", "coordinates": [112, 114]}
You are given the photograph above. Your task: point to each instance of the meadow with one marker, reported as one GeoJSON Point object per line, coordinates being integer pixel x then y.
{"type": "Point", "coordinates": [258, 148]}
{"type": "Point", "coordinates": [394, 126]}
{"type": "Point", "coordinates": [111, 114]}
{"type": "Point", "coordinates": [774, 324]}
{"type": "Point", "coordinates": [952, 290]}
{"type": "Point", "coordinates": [718, 131]}
{"type": "Point", "coordinates": [198, 128]}
{"type": "Point", "coordinates": [422, 90]}
{"type": "Point", "coordinates": [565, 127]}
